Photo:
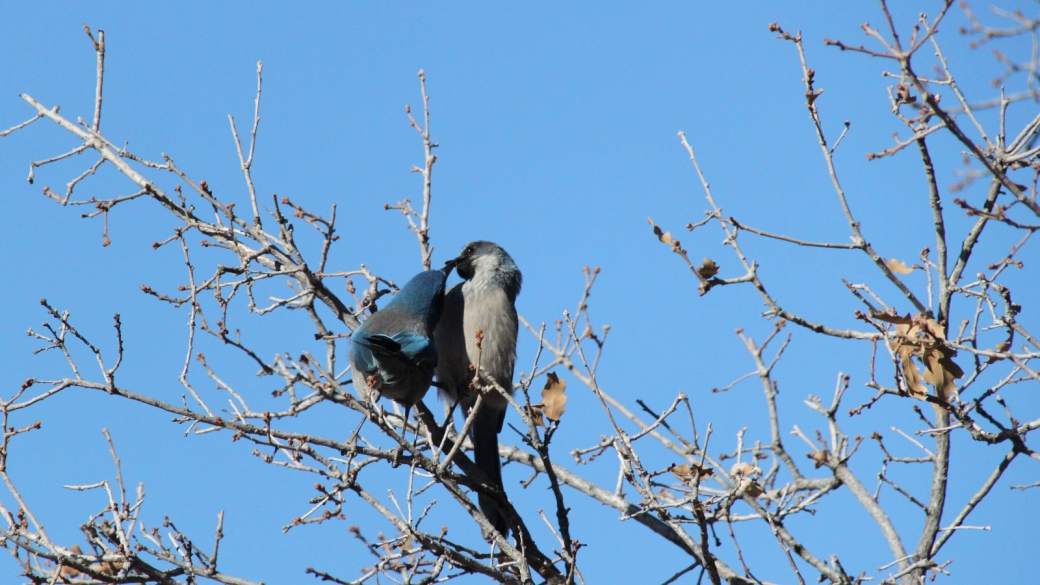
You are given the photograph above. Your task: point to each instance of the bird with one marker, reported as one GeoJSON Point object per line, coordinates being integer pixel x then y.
{"type": "Point", "coordinates": [484, 302]}
{"type": "Point", "coordinates": [393, 353]}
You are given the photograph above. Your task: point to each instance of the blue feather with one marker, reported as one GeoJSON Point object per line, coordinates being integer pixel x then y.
{"type": "Point", "coordinates": [383, 352]}
{"type": "Point", "coordinates": [393, 352]}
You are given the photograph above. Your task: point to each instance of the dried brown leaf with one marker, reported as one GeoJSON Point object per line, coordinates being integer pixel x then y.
{"type": "Point", "coordinates": [708, 269]}
{"type": "Point", "coordinates": [950, 366]}
{"type": "Point", "coordinates": [911, 374]}
{"type": "Point", "coordinates": [889, 318]}
{"type": "Point", "coordinates": [1001, 347]}
{"type": "Point", "coordinates": [933, 327]}
{"type": "Point", "coordinates": [111, 568]}
{"type": "Point", "coordinates": [665, 237]}
{"type": "Point", "coordinates": [903, 94]}
{"type": "Point", "coordinates": [940, 372]}
{"type": "Point", "coordinates": [898, 266]}
{"type": "Point", "coordinates": [687, 472]}
{"type": "Point", "coordinates": [69, 572]}
{"type": "Point", "coordinates": [536, 414]}
{"type": "Point", "coordinates": [744, 470]}
{"type": "Point", "coordinates": [819, 458]}
{"type": "Point", "coordinates": [933, 371]}
{"type": "Point", "coordinates": [750, 487]}
{"type": "Point", "coordinates": [553, 397]}
{"type": "Point", "coordinates": [744, 474]}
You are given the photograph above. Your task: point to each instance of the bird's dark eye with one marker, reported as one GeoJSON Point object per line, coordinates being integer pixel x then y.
{"type": "Point", "coordinates": [469, 250]}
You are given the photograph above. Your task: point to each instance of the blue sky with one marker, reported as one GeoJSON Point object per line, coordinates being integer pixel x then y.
{"type": "Point", "coordinates": [557, 129]}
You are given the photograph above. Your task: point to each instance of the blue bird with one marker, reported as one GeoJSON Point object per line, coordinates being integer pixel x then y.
{"type": "Point", "coordinates": [484, 301]}
{"type": "Point", "coordinates": [393, 353]}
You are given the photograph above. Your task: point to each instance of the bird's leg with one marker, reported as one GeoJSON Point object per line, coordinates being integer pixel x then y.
{"type": "Point", "coordinates": [415, 442]}
{"type": "Point", "coordinates": [404, 434]}
{"type": "Point", "coordinates": [494, 547]}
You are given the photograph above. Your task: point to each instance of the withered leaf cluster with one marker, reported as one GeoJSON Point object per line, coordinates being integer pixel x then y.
{"type": "Point", "coordinates": [922, 337]}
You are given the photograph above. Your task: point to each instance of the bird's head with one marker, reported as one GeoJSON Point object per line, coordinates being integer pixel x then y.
{"type": "Point", "coordinates": [487, 261]}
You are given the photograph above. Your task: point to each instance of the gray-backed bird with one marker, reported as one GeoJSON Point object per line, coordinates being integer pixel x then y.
{"type": "Point", "coordinates": [485, 302]}
{"type": "Point", "coordinates": [393, 353]}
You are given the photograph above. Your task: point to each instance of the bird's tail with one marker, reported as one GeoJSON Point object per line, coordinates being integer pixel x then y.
{"type": "Point", "coordinates": [484, 433]}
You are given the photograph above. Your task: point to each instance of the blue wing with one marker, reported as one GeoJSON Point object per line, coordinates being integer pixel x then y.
{"type": "Point", "coordinates": [362, 355]}
{"type": "Point", "coordinates": [392, 354]}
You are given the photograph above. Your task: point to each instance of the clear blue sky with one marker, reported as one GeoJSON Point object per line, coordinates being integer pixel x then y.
{"type": "Point", "coordinates": [557, 126]}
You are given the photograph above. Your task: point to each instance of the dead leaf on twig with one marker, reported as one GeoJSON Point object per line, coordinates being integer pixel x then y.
{"type": "Point", "coordinates": [744, 474]}
{"type": "Point", "coordinates": [819, 458]}
{"type": "Point", "coordinates": [665, 237]}
{"type": "Point", "coordinates": [553, 397]}
{"type": "Point", "coordinates": [750, 487]}
{"type": "Point", "coordinates": [923, 338]}
{"type": "Point", "coordinates": [688, 472]}
{"type": "Point", "coordinates": [744, 470]}
{"type": "Point", "coordinates": [889, 318]}
{"type": "Point", "coordinates": [911, 374]}
{"type": "Point", "coordinates": [903, 94]}
{"type": "Point", "coordinates": [67, 571]}
{"type": "Point", "coordinates": [708, 269]}
{"type": "Point", "coordinates": [898, 266]}
{"type": "Point", "coordinates": [111, 568]}
{"type": "Point", "coordinates": [535, 413]}
{"type": "Point", "coordinates": [1001, 347]}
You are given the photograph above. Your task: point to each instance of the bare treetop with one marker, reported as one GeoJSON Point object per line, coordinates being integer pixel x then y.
{"type": "Point", "coordinates": [950, 352]}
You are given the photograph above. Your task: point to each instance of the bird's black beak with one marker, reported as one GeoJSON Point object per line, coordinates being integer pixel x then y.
{"type": "Point", "coordinates": [449, 266]}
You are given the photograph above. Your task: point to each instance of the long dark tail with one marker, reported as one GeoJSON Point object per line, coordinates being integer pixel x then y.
{"type": "Point", "coordinates": [484, 433]}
